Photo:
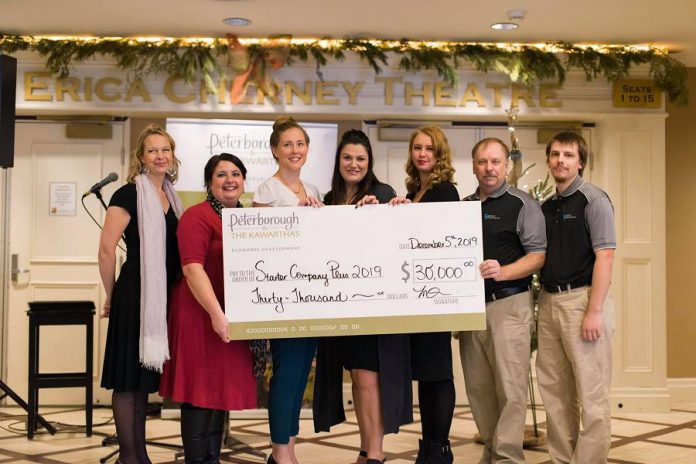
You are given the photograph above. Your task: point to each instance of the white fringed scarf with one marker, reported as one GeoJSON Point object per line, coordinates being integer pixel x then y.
{"type": "Point", "coordinates": [152, 230]}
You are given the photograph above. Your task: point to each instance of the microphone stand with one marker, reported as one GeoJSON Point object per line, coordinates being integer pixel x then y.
{"type": "Point", "coordinates": [7, 391]}
{"type": "Point", "coordinates": [98, 194]}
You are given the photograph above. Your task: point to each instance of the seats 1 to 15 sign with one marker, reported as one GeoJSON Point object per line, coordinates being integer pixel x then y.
{"type": "Point", "coordinates": [636, 93]}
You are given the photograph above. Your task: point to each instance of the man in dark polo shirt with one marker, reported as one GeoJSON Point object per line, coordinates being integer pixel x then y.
{"type": "Point", "coordinates": [575, 320]}
{"type": "Point", "coordinates": [496, 360]}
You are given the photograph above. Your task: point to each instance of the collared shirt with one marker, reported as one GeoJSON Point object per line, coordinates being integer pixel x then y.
{"type": "Point", "coordinates": [513, 226]}
{"type": "Point", "coordinates": [579, 221]}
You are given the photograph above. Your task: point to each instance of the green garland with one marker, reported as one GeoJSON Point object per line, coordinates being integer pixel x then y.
{"type": "Point", "coordinates": [523, 63]}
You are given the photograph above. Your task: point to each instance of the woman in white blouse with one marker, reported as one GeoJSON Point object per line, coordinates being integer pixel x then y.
{"type": "Point", "coordinates": [292, 357]}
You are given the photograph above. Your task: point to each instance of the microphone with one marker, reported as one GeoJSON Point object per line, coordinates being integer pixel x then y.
{"type": "Point", "coordinates": [112, 177]}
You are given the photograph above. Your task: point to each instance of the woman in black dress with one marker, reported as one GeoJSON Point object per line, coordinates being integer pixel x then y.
{"type": "Point", "coordinates": [146, 209]}
{"type": "Point", "coordinates": [379, 365]}
{"type": "Point", "coordinates": [430, 179]}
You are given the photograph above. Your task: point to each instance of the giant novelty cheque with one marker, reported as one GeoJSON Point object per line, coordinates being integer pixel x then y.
{"type": "Point", "coordinates": [341, 270]}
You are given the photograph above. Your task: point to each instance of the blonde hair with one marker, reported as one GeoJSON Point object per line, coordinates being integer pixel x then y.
{"type": "Point", "coordinates": [443, 171]}
{"type": "Point", "coordinates": [136, 162]}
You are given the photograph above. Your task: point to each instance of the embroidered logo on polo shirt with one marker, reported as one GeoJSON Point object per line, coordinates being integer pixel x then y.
{"type": "Point", "coordinates": [489, 217]}
{"type": "Point", "coordinates": [569, 216]}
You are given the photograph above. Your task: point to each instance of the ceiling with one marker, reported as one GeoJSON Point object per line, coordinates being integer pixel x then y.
{"type": "Point", "coordinates": [667, 23]}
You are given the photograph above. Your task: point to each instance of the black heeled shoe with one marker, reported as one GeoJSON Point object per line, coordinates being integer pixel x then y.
{"type": "Point", "coordinates": [423, 450]}
{"type": "Point", "coordinates": [440, 453]}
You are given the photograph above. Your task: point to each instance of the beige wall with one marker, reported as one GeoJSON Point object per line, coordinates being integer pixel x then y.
{"type": "Point", "coordinates": [681, 234]}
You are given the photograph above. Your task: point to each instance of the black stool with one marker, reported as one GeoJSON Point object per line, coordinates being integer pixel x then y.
{"type": "Point", "coordinates": [58, 313]}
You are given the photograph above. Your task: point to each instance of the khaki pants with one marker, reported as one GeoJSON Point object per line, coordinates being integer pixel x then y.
{"type": "Point", "coordinates": [574, 378]}
{"type": "Point", "coordinates": [496, 373]}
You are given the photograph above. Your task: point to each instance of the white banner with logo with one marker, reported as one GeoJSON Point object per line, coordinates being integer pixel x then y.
{"type": "Point", "coordinates": [199, 139]}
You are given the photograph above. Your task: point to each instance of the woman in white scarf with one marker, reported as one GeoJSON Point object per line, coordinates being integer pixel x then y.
{"type": "Point", "coordinates": [146, 210]}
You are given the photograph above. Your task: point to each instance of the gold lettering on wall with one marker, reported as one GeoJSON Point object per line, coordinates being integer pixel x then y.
{"type": "Point", "coordinates": [30, 85]}
{"type": "Point", "coordinates": [204, 94]}
{"type": "Point", "coordinates": [171, 95]}
{"type": "Point", "coordinates": [424, 93]}
{"type": "Point", "coordinates": [523, 92]}
{"type": "Point", "coordinates": [42, 86]}
{"type": "Point", "coordinates": [101, 93]}
{"type": "Point", "coordinates": [497, 91]}
{"type": "Point", "coordinates": [352, 90]}
{"type": "Point", "coordinates": [471, 93]}
{"type": "Point", "coordinates": [222, 91]}
{"type": "Point", "coordinates": [443, 93]}
{"type": "Point", "coordinates": [388, 88]}
{"type": "Point", "coordinates": [69, 85]}
{"type": "Point", "coordinates": [274, 99]}
{"type": "Point", "coordinates": [326, 89]}
{"type": "Point", "coordinates": [291, 88]}
{"type": "Point", "coordinates": [248, 96]}
{"type": "Point", "coordinates": [137, 88]}
{"type": "Point", "coordinates": [88, 89]}
{"type": "Point", "coordinates": [548, 97]}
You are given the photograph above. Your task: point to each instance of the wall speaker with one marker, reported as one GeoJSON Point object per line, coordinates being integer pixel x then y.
{"type": "Point", "coordinates": [8, 86]}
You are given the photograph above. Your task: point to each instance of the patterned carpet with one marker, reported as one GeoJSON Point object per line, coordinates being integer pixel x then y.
{"type": "Point", "coordinates": [637, 438]}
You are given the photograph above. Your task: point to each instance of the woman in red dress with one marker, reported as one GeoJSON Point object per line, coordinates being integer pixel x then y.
{"type": "Point", "coordinates": [208, 373]}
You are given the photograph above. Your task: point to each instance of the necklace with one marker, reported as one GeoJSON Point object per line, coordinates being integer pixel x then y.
{"type": "Point", "coordinates": [300, 187]}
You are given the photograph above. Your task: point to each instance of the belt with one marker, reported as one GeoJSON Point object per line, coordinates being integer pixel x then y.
{"type": "Point", "coordinates": [563, 287]}
{"type": "Point", "coordinates": [504, 293]}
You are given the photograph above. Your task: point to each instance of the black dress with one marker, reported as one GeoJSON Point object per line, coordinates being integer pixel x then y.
{"type": "Point", "coordinates": [123, 371]}
{"type": "Point", "coordinates": [431, 353]}
{"type": "Point", "coordinates": [386, 354]}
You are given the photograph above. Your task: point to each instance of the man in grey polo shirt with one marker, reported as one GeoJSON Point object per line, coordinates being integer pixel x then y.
{"type": "Point", "coordinates": [575, 319]}
{"type": "Point", "coordinates": [496, 360]}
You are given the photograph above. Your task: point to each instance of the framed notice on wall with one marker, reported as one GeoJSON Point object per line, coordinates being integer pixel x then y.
{"type": "Point", "coordinates": [62, 198]}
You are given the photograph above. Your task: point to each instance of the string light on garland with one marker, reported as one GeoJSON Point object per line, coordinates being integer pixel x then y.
{"type": "Point", "coordinates": [191, 57]}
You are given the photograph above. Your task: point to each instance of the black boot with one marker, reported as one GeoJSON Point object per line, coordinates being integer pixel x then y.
{"type": "Point", "coordinates": [423, 450]}
{"type": "Point", "coordinates": [218, 422]}
{"type": "Point", "coordinates": [195, 425]}
{"type": "Point", "coordinates": [440, 453]}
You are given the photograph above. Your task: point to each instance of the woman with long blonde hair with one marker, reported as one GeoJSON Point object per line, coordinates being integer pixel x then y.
{"type": "Point", "coordinates": [146, 210]}
{"type": "Point", "coordinates": [431, 179]}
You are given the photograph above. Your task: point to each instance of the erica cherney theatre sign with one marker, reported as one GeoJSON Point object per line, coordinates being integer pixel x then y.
{"type": "Point", "coordinates": [392, 91]}
{"type": "Point", "coordinates": [348, 88]}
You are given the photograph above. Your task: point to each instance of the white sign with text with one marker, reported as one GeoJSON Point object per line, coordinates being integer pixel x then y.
{"type": "Point", "coordinates": [341, 270]}
{"type": "Point", "coordinates": [199, 139]}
